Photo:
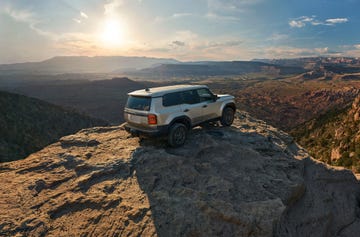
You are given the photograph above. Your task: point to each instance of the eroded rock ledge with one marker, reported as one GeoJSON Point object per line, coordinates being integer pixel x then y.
{"type": "Point", "coordinates": [247, 180]}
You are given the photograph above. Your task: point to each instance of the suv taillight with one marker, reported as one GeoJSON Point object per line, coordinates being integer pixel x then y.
{"type": "Point", "coordinates": [152, 119]}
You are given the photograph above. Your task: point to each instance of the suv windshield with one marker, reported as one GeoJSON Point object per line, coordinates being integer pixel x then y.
{"type": "Point", "coordinates": [138, 103]}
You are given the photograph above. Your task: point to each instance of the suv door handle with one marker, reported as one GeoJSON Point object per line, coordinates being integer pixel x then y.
{"type": "Point", "coordinates": [186, 110]}
{"type": "Point", "coordinates": [204, 106]}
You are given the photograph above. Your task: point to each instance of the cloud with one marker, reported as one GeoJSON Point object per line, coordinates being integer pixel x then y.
{"type": "Point", "coordinates": [225, 43]}
{"type": "Point", "coordinates": [297, 24]}
{"type": "Point", "coordinates": [83, 15]}
{"type": "Point", "coordinates": [110, 8]}
{"type": "Point", "coordinates": [285, 52]}
{"type": "Point", "coordinates": [230, 5]}
{"type": "Point", "coordinates": [233, 43]}
{"type": "Point", "coordinates": [322, 50]}
{"type": "Point", "coordinates": [77, 20]}
{"type": "Point", "coordinates": [302, 21]}
{"type": "Point", "coordinates": [214, 16]}
{"type": "Point", "coordinates": [208, 16]}
{"type": "Point", "coordinates": [29, 18]}
{"type": "Point", "coordinates": [174, 16]}
{"type": "Point", "coordinates": [180, 15]}
{"type": "Point", "coordinates": [21, 15]}
{"type": "Point", "coordinates": [337, 20]}
{"type": "Point", "coordinates": [187, 45]}
{"type": "Point", "coordinates": [178, 43]}
{"type": "Point", "coordinates": [186, 35]}
{"type": "Point", "coordinates": [278, 37]}
{"type": "Point", "coordinates": [78, 44]}
{"type": "Point", "coordinates": [228, 10]}
{"type": "Point", "coordinates": [20, 43]}
{"type": "Point", "coordinates": [352, 50]}
{"type": "Point", "coordinates": [293, 52]}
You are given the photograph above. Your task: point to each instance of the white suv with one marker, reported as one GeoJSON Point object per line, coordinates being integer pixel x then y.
{"type": "Point", "coordinates": [173, 110]}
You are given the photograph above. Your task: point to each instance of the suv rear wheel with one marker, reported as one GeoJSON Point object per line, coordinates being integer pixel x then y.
{"type": "Point", "coordinates": [177, 135]}
{"type": "Point", "coordinates": [227, 117]}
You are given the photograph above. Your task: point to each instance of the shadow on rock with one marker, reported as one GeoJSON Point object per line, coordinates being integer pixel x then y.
{"type": "Point", "coordinates": [244, 181]}
{"type": "Point", "coordinates": [217, 184]}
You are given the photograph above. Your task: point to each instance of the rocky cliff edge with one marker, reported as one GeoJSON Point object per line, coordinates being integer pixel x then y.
{"type": "Point", "coordinates": [247, 180]}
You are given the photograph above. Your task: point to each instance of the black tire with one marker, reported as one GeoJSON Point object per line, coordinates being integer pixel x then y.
{"type": "Point", "coordinates": [177, 135]}
{"type": "Point", "coordinates": [227, 117]}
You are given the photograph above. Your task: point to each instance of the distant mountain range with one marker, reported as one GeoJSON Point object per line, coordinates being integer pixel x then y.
{"type": "Point", "coordinates": [28, 125]}
{"type": "Point", "coordinates": [215, 69]}
{"type": "Point", "coordinates": [167, 67]}
{"type": "Point", "coordinates": [313, 62]}
{"type": "Point", "coordinates": [163, 68]}
{"type": "Point", "coordinates": [144, 67]}
{"type": "Point", "coordinates": [84, 64]}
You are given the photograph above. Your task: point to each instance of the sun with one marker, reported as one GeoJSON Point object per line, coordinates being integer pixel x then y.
{"type": "Point", "coordinates": [113, 33]}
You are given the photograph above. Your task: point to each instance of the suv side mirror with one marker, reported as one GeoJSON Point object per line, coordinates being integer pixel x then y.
{"type": "Point", "coordinates": [215, 97]}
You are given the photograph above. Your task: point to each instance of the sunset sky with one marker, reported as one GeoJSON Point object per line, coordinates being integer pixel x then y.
{"type": "Point", "coordinates": [34, 30]}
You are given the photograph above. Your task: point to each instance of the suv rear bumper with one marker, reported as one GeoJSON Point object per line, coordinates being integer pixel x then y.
{"type": "Point", "coordinates": [146, 132]}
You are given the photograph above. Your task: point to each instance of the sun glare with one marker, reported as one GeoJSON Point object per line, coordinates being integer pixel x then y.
{"type": "Point", "coordinates": [113, 33]}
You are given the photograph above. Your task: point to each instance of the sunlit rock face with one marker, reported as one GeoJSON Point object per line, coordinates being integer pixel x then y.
{"type": "Point", "coordinates": [246, 180]}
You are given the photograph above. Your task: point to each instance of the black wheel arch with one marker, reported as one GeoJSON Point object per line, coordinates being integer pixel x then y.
{"type": "Point", "coordinates": [231, 105]}
{"type": "Point", "coordinates": [182, 119]}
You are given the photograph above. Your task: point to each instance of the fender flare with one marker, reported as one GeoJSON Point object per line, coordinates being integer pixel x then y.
{"type": "Point", "coordinates": [231, 105]}
{"type": "Point", "coordinates": [181, 119]}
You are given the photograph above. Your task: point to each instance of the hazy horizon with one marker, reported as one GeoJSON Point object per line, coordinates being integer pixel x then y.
{"type": "Point", "coordinates": [182, 30]}
{"type": "Point", "coordinates": [182, 61]}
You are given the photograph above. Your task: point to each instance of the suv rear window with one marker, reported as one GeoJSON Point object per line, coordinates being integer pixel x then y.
{"type": "Point", "coordinates": [139, 103]}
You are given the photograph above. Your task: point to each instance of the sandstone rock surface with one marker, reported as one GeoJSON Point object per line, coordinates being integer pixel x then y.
{"type": "Point", "coordinates": [247, 180]}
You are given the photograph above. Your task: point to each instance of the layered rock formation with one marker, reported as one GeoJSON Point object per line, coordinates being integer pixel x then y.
{"type": "Point", "coordinates": [247, 180]}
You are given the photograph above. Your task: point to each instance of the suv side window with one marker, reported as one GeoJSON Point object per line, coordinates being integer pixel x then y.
{"type": "Point", "coordinates": [205, 95]}
{"type": "Point", "coordinates": [190, 97]}
{"type": "Point", "coordinates": [172, 99]}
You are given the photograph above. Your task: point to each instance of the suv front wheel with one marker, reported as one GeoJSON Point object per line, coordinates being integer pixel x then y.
{"type": "Point", "coordinates": [227, 117]}
{"type": "Point", "coordinates": [177, 135]}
